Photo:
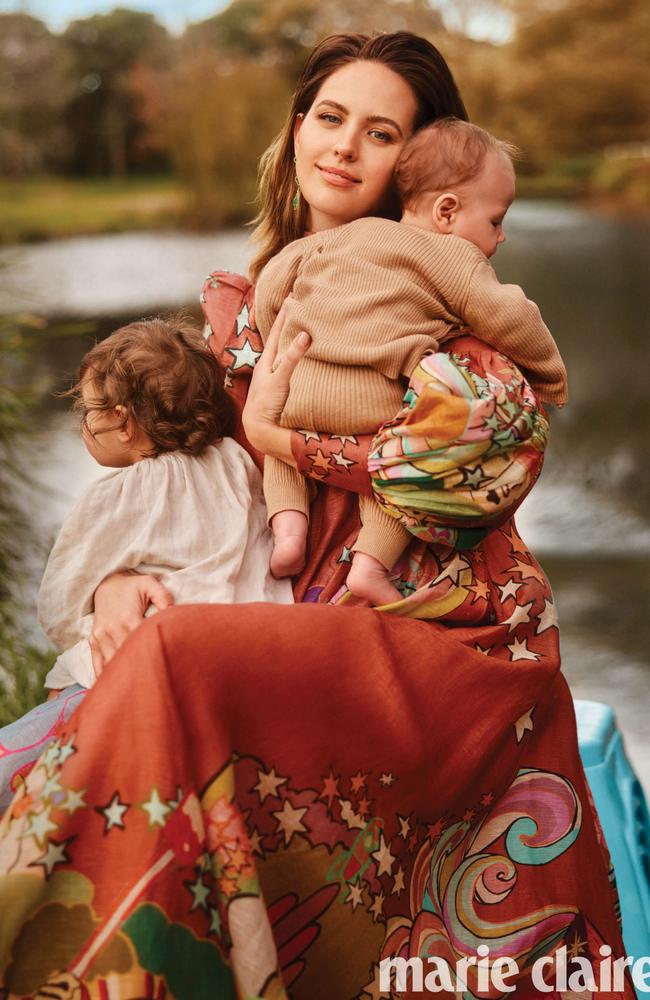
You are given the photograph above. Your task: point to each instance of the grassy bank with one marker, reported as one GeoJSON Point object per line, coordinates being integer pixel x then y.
{"type": "Point", "coordinates": [44, 208]}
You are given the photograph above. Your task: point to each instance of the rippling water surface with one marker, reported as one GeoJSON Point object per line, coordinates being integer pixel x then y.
{"type": "Point", "coordinates": [587, 519]}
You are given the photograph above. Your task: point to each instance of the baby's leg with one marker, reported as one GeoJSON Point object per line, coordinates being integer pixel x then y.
{"type": "Point", "coordinates": [287, 501]}
{"type": "Point", "coordinates": [381, 541]}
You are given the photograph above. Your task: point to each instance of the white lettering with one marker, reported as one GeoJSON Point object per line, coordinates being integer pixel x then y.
{"type": "Point", "coordinates": [620, 965]}
{"type": "Point", "coordinates": [538, 975]}
{"type": "Point", "coordinates": [498, 977]}
{"type": "Point", "coordinates": [401, 966]}
{"type": "Point", "coordinates": [483, 968]}
{"type": "Point", "coordinates": [583, 978]}
{"type": "Point", "coordinates": [640, 976]}
{"type": "Point", "coordinates": [560, 968]}
{"type": "Point", "coordinates": [439, 978]}
{"type": "Point", "coordinates": [461, 971]}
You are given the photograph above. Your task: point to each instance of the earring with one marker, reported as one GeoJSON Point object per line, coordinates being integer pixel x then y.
{"type": "Point", "coordinates": [296, 197]}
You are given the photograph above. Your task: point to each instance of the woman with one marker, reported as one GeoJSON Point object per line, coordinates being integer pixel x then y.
{"type": "Point", "coordinates": [292, 795]}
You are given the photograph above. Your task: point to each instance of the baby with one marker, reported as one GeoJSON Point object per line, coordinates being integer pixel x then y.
{"type": "Point", "coordinates": [375, 296]}
{"type": "Point", "coordinates": [183, 502]}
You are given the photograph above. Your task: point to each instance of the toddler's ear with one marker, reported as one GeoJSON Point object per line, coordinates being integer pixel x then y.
{"type": "Point", "coordinates": [444, 211]}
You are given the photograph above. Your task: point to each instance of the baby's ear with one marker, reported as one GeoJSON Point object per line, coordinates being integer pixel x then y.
{"type": "Point", "coordinates": [445, 208]}
{"type": "Point", "coordinates": [127, 422]}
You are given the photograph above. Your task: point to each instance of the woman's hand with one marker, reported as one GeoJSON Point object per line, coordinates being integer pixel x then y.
{"type": "Point", "coordinates": [121, 601]}
{"type": "Point", "coordinates": [268, 393]}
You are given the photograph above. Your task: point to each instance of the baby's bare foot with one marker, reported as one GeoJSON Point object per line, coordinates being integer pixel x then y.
{"type": "Point", "coordinates": [288, 556]}
{"type": "Point", "coordinates": [368, 579]}
{"type": "Point", "coordinates": [289, 543]}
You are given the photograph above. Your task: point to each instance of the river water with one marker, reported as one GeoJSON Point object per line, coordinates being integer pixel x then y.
{"type": "Point", "coordinates": [587, 519]}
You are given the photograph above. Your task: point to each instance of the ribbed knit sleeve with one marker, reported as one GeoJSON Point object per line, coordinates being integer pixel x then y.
{"type": "Point", "coordinates": [275, 283]}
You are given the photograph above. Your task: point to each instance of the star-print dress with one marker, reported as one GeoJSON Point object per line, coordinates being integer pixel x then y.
{"type": "Point", "coordinates": [261, 801]}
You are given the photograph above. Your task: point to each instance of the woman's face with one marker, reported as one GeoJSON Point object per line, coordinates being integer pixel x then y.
{"type": "Point", "coordinates": [348, 142]}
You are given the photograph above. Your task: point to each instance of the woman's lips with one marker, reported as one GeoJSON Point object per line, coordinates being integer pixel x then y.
{"type": "Point", "coordinates": [339, 178]}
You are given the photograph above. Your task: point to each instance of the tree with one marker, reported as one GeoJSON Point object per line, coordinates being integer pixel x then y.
{"type": "Point", "coordinates": [105, 52]}
{"type": "Point", "coordinates": [34, 88]}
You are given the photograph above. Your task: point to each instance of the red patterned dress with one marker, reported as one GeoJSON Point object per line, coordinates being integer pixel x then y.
{"type": "Point", "coordinates": [270, 801]}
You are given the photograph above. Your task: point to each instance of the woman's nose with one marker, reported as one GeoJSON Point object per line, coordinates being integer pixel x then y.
{"type": "Point", "coordinates": [346, 147]}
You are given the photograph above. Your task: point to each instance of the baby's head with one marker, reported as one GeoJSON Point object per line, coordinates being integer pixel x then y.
{"type": "Point", "coordinates": [151, 387]}
{"type": "Point", "coordinates": [454, 177]}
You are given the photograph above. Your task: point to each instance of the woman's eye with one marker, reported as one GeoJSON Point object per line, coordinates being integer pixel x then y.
{"type": "Point", "coordinates": [329, 116]}
{"type": "Point", "coordinates": [382, 136]}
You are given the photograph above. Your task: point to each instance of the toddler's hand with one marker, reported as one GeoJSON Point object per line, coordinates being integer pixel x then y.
{"type": "Point", "coordinates": [121, 601]}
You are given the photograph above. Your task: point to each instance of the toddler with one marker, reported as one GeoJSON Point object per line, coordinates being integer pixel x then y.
{"type": "Point", "coordinates": [375, 296]}
{"type": "Point", "coordinates": [183, 502]}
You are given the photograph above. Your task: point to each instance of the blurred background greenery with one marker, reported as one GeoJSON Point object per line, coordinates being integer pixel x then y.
{"type": "Point", "coordinates": [128, 158]}
{"type": "Point", "coordinates": [115, 123]}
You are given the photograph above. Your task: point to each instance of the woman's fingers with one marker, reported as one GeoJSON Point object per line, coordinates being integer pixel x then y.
{"type": "Point", "coordinates": [294, 352]}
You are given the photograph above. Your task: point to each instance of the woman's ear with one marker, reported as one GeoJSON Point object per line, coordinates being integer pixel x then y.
{"type": "Point", "coordinates": [297, 125]}
{"type": "Point", "coordinates": [444, 211]}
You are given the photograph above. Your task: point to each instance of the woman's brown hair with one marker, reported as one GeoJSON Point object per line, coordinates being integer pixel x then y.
{"type": "Point", "coordinates": [413, 58]}
{"type": "Point", "coordinates": [166, 378]}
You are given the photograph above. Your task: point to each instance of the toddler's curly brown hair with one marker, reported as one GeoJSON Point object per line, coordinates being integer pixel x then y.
{"type": "Point", "coordinates": [164, 375]}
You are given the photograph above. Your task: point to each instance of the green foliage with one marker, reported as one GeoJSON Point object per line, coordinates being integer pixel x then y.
{"type": "Point", "coordinates": [22, 665]}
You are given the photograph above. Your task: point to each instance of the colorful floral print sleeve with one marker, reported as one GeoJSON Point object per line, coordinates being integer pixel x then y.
{"type": "Point", "coordinates": [261, 801]}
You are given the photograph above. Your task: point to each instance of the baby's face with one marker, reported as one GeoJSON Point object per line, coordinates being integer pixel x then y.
{"type": "Point", "coordinates": [484, 203]}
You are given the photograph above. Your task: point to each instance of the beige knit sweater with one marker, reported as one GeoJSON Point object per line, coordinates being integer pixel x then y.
{"type": "Point", "coordinates": [375, 295]}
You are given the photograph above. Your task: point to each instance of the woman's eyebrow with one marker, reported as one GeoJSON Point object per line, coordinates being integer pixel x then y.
{"type": "Point", "coordinates": [375, 119]}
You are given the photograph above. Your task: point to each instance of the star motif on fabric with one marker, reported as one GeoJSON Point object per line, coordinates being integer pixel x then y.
{"type": "Point", "coordinates": [355, 895]}
{"type": "Point", "coordinates": [228, 886]}
{"type": "Point", "coordinates": [353, 820]}
{"type": "Point", "coordinates": [520, 651]}
{"type": "Point", "coordinates": [524, 723]}
{"type": "Point", "coordinates": [398, 882]}
{"type": "Point", "coordinates": [215, 922]}
{"type": "Point", "coordinates": [363, 806]}
{"type": "Point", "coordinates": [65, 751]}
{"type": "Point", "coordinates": [320, 461]}
{"type": "Point", "coordinates": [255, 841]}
{"type": "Point", "coordinates": [200, 892]}
{"type": "Point", "coordinates": [576, 947]}
{"type": "Point", "coordinates": [74, 800]}
{"type": "Point", "coordinates": [39, 826]}
{"type": "Point", "coordinates": [385, 860]}
{"type": "Point", "coordinates": [492, 423]}
{"type": "Point", "coordinates": [53, 856]}
{"type": "Point", "coordinates": [244, 357]}
{"type": "Point", "coordinates": [310, 436]}
{"type": "Point", "coordinates": [51, 755]}
{"type": "Point", "coordinates": [377, 907]}
{"type": "Point", "coordinates": [509, 589]}
{"type": "Point", "coordinates": [516, 544]}
{"type": "Point", "coordinates": [435, 829]}
{"type": "Point", "coordinates": [487, 799]}
{"type": "Point", "coordinates": [372, 989]}
{"type": "Point", "coordinates": [238, 859]}
{"type": "Point", "coordinates": [386, 779]}
{"type": "Point", "coordinates": [290, 821]}
{"type": "Point", "coordinates": [113, 813]}
{"type": "Point", "coordinates": [268, 784]}
{"type": "Point", "coordinates": [243, 320]}
{"type": "Point", "coordinates": [346, 555]}
{"type": "Point", "coordinates": [481, 589]}
{"type": "Point", "coordinates": [527, 571]}
{"type": "Point", "coordinates": [330, 788]}
{"type": "Point", "coordinates": [343, 438]}
{"type": "Point", "coordinates": [480, 649]}
{"type": "Point", "coordinates": [453, 569]}
{"type": "Point", "coordinates": [155, 809]}
{"type": "Point", "coordinates": [471, 477]}
{"type": "Point", "coordinates": [468, 815]}
{"type": "Point", "coordinates": [413, 841]}
{"type": "Point", "coordinates": [520, 616]}
{"type": "Point", "coordinates": [342, 461]}
{"type": "Point", "coordinates": [404, 826]}
{"type": "Point", "coordinates": [51, 787]}
{"type": "Point", "coordinates": [548, 617]}
{"type": "Point", "coordinates": [357, 782]}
